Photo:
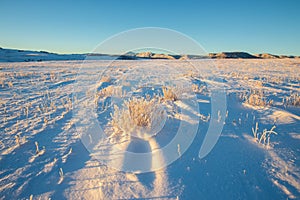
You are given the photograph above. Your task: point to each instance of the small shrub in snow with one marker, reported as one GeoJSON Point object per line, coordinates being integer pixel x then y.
{"type": "Point", "coordinates": [258, 84]}
{"type": "Point", "coordinates": [137, 114]}
{"type": "Point", "coordinates": [169, 93]}
{"type": "Point", "coordinates": [105, 79]}
{"type": "Point", "coordinates": [292, 100]}
{"type": "Point", "coordinates": [256, 98]}
{"type": "Point", "coordinates": [199, 89]}
{"type": "Point", "coordinates": [111, 91]}
{"type": "Point", "coordinates": [10, 84]}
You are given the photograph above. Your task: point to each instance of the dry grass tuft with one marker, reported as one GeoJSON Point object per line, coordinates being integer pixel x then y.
{"type": "Point", "coordinates": [292, 100]}
{"type": "Point", "coordinates": [256, 98]}
{"type": "Point", "coordinates": [10, 84]}
{"type": "Point", "coordinates": [258, 84]}
{"type": "Point", "coordinates": [105, 79]}
{"type": "Point", "coordinates": [140, 111]}
{"type": "Point", "coordinates": [137, 113]}
{"type": "Point", "coordinates": [111, 91]}
{"type": "Point", "coordinates": [169, 93]}
{"type": "Point", "coordinates": [264, 137]}
{"type": "Point", "coordinates": [199, 89]}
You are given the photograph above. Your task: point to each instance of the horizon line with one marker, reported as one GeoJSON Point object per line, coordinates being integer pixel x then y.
{"type": "Point", "coordinates": [104, 53]}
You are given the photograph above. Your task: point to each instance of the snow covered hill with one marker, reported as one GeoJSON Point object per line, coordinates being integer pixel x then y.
{"type": "Point", "coordinates": [14, 55]}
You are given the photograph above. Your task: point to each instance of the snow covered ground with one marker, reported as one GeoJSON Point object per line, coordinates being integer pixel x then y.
{"type": "Point", "coordinates": [46, 109]}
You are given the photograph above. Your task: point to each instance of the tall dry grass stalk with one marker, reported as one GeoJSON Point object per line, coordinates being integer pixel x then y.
{"type": "Point", "coordinates": [264, 137]}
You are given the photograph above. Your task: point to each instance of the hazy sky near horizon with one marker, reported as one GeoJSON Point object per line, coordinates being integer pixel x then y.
{"type": "Point", "coordinates": [67, 26]}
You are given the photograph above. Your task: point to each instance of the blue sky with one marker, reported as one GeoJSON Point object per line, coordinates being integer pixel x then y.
{"type": "Point", "coordinates": [67, 26]}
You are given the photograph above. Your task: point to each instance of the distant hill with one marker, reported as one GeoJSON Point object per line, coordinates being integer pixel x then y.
{"type": "Point", "coordinates": [151, 55]}
{"type": "Point", "coordinates": [271, 56]}
{"type": "Point", "coordinates": [245, 55]}
{"type": "Point", "coordinates": [266, 56]}
{"type": "Point", "coordinates": [231, 55]}
{"type": "Point", "coordinates": [15, 55]}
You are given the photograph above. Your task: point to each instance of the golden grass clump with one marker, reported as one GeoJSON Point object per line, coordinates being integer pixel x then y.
{"type": "Point", "coordinates": [293, 100]}
{"type": "Point", "coordinates": [256, 98]}
{"type": "Point", "coordinates": [111, 91]}
{"type": "Point", "coordinates": [199, 89]}
{"type": "Point", "coordinates": [10, 84]}
{"type": "Point", "coordinates": [2, 82]}
{"type": "Point", "coordinates": [258, 84]}
{"type": "Point", "coordinates": [169, 93]}
{"type": "Point", "coordinates": [137, 113]}
{"type": "Point", "coordinates": [106, 79]}
{"type": "Point", "coordinates": [140, 111]}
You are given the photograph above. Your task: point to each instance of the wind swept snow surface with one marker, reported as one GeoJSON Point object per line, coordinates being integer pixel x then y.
{"type": "Point", "coordinates": [135, 129]}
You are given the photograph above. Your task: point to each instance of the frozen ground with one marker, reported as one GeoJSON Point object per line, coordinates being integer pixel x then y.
{"type": "Point", "coordinates": [44, 152]}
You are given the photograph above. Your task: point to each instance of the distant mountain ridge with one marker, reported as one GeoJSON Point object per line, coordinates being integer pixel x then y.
{"type": "Point", "coordinates": [15, 55]}
{"type": "Point", "coordinates": [245, 55]}
{"type": "Point", "coordinates": [231, 55]}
